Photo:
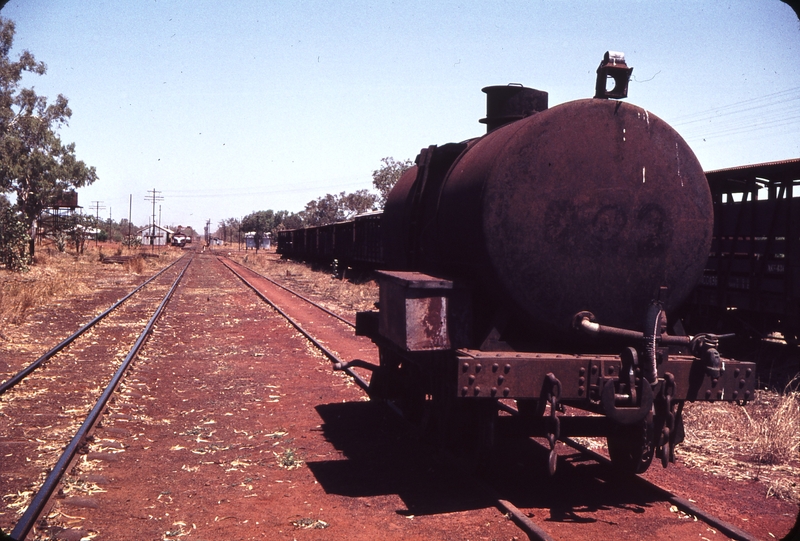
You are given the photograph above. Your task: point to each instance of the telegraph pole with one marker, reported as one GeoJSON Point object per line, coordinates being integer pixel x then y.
{"type": "Point", "coordinates": [154, 197]}
{"type": "Point", "coordinates": [130, 208]}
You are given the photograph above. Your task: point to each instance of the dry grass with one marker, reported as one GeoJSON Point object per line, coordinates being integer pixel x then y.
{"type": "Point", "coordinates": [347, 295]}
{"type": "Point", "coordinates": [135, 265]}
{"type": "Point", "coordinates": [58, 275]}
{"type": "Point", "coordinates": [758, 442]}
{"type": "Point", "coordinates": [52, 276]}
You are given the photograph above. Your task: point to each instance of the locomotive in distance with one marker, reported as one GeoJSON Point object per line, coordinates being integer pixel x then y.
{"type": "Point", "coordinates": [539, 264]}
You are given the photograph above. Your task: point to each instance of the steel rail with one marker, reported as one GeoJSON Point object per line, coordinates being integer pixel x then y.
{"type": "Point", "coordinates": [39, 501]}
{"type": "Point", "coordinates": [681, 503]}
{"type": "Point", "coordinates": [531, 529]}
{"type": "Point", "coordinates": [328, 353]}
{"type": "Point", "coordinates": [534, 532]}
{"type": "Point", "coordinates": [25, 372]}
{"type": "Point", "coordinates": [293, 292]}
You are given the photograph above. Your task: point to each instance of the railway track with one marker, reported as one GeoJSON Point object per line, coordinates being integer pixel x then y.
{"type": "Point", "coordinates": [83, 369]}
{"type": "Point", "coordinates": [532, 529]}
{"type": "Point", "coordinates": [231, 426]}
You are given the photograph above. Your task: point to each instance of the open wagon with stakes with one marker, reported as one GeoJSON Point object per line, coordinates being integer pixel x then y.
{"type": "Point", "coordinates": [541, 263]}
{"type": "Point", "coordinates": [751, 283]}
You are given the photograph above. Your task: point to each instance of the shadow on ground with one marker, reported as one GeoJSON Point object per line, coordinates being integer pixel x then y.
{"type": "Point", "coordinates": [383, 456]}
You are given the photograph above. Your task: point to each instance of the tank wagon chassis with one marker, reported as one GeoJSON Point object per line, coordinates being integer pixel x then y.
{"type": "Point", "coordinates": [500, 251]}
{"type": "Point", "coordinates": [455, 392]}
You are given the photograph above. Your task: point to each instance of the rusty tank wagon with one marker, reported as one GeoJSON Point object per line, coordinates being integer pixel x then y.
{"type": "Point", "coordinates": [540, 264]}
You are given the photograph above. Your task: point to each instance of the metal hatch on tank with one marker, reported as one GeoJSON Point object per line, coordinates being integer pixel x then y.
{"type": "Point", "coordinates": [549, 254]}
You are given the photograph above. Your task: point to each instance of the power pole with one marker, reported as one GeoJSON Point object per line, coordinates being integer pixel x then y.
{"type": "Point", "coordinates": [97, 209]}
{"type": "Point", "coordinates": [154, 197]}
{"type": "Point", "coordinates": [130, 208]}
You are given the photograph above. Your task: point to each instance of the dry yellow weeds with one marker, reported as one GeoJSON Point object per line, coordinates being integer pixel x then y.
{"type": "Point", "coordinates": [344, 296]}
{"type": "Point", "coordinates": [758, 442]}
{"type": "Point", "coordinates": [57, 276]}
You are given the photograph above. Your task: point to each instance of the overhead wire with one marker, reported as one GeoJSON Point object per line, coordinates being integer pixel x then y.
{"type": "Point", "coordinates": [776, 111]}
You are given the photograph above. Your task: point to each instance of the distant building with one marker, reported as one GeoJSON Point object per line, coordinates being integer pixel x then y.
{"type": "Point", "coordinates": [154, 235]}
{"type": "Point", "coordinates": [250, 241]}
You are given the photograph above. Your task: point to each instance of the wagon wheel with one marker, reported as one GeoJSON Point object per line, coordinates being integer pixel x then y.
{"type": "Point", "coordinates": [631, 447]}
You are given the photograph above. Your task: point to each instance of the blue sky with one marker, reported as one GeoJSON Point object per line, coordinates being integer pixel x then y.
{"type": "Point", "coordinates": [230, 107]}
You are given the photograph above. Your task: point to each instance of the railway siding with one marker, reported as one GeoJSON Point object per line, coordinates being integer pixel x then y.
{"type": "Point", "coordinates": [220, 432]}
{"type": "Point", "coordinates": [230, 425]}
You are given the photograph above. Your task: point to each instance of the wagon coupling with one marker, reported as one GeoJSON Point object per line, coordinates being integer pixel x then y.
{"type": "Point", "coordinates": [626, 415]}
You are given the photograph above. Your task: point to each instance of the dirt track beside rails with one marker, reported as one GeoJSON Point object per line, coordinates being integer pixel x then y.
{"type": "Point", "coordinates": [228, 429]}
{"type": "Point", "coordinates": [231, 426]}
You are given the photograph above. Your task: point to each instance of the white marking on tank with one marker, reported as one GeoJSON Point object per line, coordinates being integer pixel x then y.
{"type": "Point", "coordinates": [678, 159]}
{"type": "Point", "coordinates": [643, 171]}
{"type": "Point", "coordinates": [623, 135]}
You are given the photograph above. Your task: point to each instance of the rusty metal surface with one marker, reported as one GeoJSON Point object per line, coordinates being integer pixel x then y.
{"type": "Point", "coordinates": [613, 67]}
{"type": "Point", "coordinates": [582, 377]}
{"type": "Point", "coordinates": [507, 103]}
{"type": "Point", "coordinates": [590, 205]}
{"type": "Point", "coordinates": [421, 312]}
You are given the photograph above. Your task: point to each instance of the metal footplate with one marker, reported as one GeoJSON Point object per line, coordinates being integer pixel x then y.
{"type": "Point", "coordinates": [583, 377]}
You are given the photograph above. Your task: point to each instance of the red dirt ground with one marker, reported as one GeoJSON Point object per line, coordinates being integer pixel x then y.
{"type": "Point", "coordinates": [231, 426]}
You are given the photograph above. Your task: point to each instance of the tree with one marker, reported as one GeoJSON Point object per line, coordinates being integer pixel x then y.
{"type": "Point", "coordinates": [386, 176]}
{"type": "Point", "coordinates": [34, 163]}
{"type": "Point", "coordinates": [291, 221]}
{"type": "Point", "coordinates": [358, 202]}
{"type": "Point", "coordinates": [13, 237]}
{"type": "Point", "coordinates": [322, 211]}
{"type": "Point", "coordinates": [79, 232]}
